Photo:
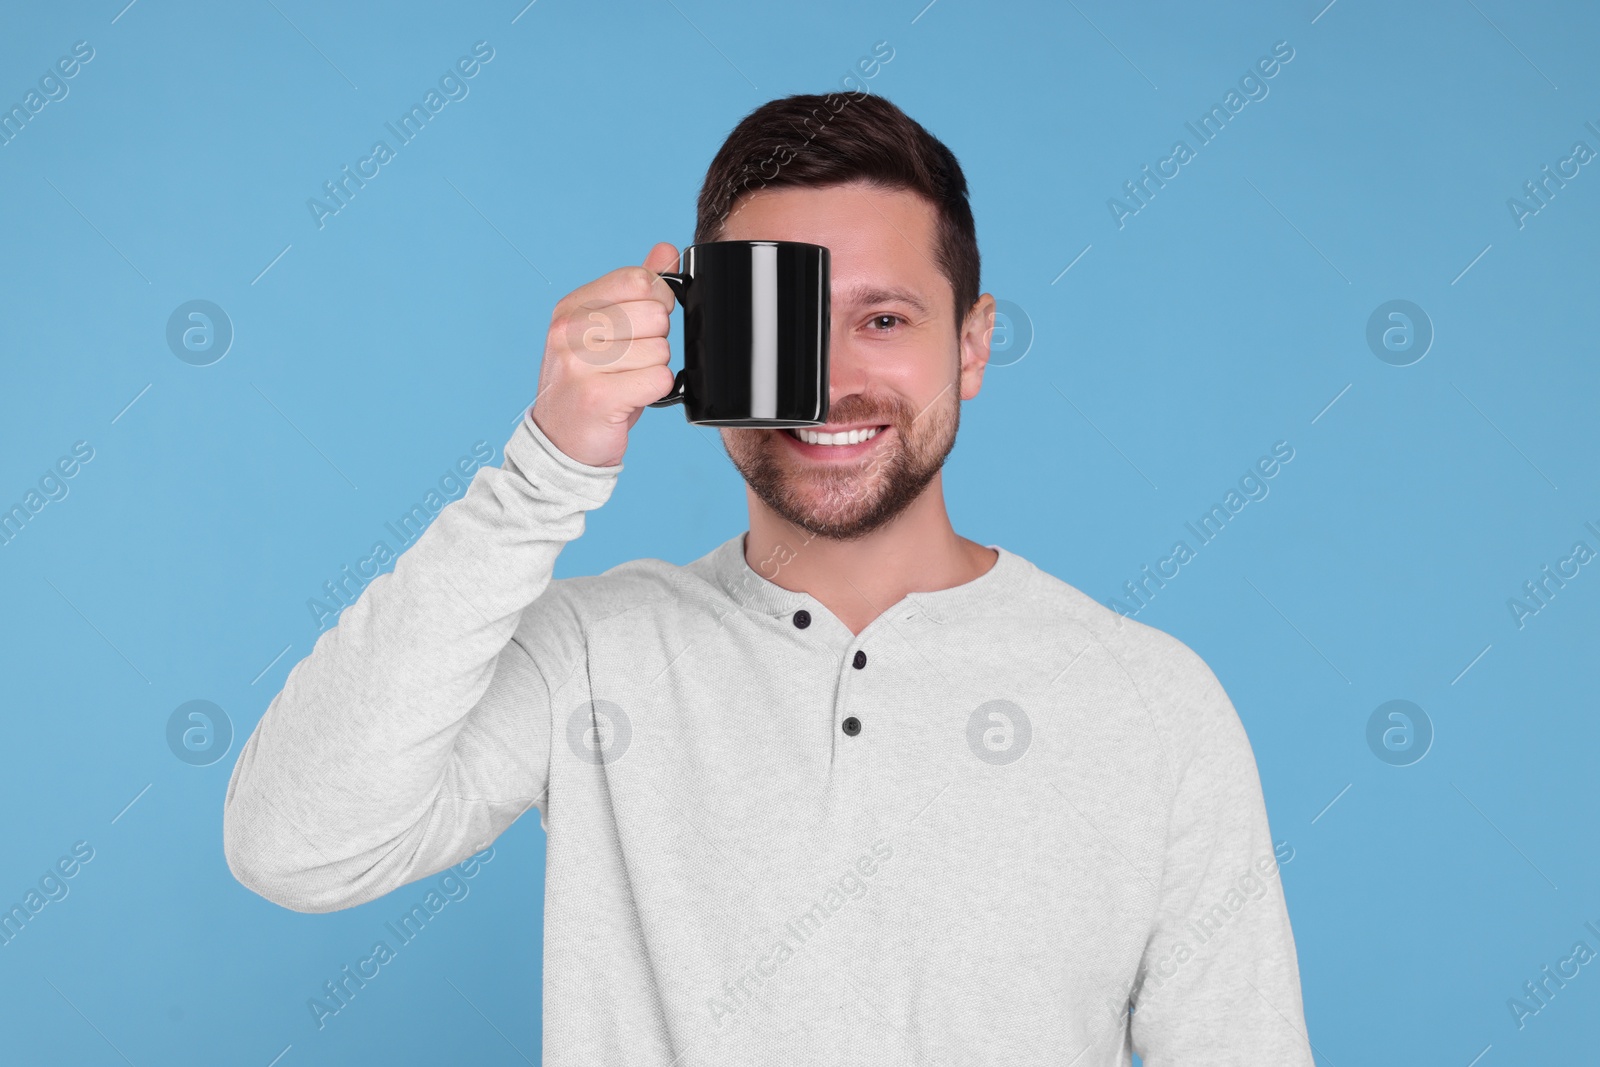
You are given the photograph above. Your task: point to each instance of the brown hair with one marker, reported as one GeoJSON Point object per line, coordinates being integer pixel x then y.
{"type": "Point", "coordinates": [810, 140]}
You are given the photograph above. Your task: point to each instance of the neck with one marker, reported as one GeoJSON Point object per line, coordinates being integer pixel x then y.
{"type": "Point", "coordinates": [916, 552]}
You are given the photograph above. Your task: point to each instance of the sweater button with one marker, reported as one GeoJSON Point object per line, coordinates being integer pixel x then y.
{"type": "Point", "coordinates": [860, 660]}
{"type": "Point", "coordinates": [802, 618]}
{"type": "Point", "coordinates": [852, 726]}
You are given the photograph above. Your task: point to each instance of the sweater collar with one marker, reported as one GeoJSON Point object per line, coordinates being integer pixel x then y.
{"type": "Point", "coordinates": [752, 591]}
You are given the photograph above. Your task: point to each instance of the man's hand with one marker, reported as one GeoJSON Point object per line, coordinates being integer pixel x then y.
{"type": "Point", "coordinates": [605, 360]}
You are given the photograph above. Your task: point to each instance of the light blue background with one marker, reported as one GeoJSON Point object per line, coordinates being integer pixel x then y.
{"type": "Point", "coordinates": [1227, 315]}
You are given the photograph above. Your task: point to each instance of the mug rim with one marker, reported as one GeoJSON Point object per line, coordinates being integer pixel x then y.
{"type": "Point", "coordinates": [748, 242]}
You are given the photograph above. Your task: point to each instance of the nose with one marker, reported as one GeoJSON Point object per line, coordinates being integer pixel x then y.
{"type": "Point", "coordinates": [848, 369]}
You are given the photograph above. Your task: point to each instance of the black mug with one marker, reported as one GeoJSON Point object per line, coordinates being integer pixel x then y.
{"type": "Point", "coordinates": [755, 334]}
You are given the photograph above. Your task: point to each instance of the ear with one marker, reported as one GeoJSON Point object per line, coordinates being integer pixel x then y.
{"type": "Point", "coordinates": [975, 335]}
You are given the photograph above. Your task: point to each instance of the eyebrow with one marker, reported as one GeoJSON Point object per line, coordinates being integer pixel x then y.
{"type": "Point", "coordinates": [874, 294]}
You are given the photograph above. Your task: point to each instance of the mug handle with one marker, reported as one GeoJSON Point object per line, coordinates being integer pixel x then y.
{"type": "Point", "coordinates": [678, 284]}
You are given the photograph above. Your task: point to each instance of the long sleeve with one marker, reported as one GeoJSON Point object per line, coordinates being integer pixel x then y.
{"type": "Point", "coordinates": [417, 729]}
{"type": "Point", "coordinates": [1219, 982]}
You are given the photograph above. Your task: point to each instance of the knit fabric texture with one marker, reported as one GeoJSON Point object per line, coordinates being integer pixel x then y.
{"type": "Point", "coordinates": [1002, 825]}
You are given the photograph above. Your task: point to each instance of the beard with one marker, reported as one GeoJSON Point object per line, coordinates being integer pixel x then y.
{"type": "Point", "coordinates": [847, 501]}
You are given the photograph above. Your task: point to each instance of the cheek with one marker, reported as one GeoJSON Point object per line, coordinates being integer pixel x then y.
{"type": "Point", "coordinates": [930, 379]}
{"type": "Point", "coordinates": [911, 373]}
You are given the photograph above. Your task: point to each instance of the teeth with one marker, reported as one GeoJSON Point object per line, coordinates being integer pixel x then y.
{"type": "Point", "coordinates": [849, 437]}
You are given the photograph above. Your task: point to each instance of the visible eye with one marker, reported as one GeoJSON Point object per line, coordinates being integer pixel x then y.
{"type": "Point", "coordinates": [877, 321]}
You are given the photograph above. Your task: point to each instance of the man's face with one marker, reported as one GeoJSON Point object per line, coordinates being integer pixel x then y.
{"type": "Point", "coordinates": [895, 359]}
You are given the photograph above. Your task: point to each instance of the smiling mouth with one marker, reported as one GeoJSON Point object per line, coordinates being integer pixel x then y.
{"type": "Point", "coordinates": [842, 439]}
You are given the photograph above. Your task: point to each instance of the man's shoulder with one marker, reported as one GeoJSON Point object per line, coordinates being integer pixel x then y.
{"type": "Point", "coordinates": [1048, 598]}
{"type": "Point", "coordinates": [555, 628]}
{"type": "Point", "coordinates": [1169, 675]}
{"type": "Point", "coordinates": [1186, 704]}
{"type": "Point", "coordinates": [637, 585]}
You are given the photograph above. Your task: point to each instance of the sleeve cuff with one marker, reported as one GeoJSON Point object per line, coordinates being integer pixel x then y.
{"type": "Point", "coordinates": [534, 456]}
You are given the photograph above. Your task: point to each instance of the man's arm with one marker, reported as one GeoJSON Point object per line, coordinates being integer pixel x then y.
{"type": "Point", "coordinates": [417, 730]}
{"type": "Point", "coordinates": [1219, 982]}
{"type": "Point", "coordinates": [413, 733]}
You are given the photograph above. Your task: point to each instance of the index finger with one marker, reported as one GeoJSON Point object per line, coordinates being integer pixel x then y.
{"type": "Point", "coordinates": [619, 287]}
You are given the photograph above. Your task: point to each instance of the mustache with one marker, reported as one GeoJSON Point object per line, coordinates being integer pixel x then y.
{"type": "Point", "coordinates": [870, 418]}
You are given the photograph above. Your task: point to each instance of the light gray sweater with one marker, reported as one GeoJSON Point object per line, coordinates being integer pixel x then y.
{"type": "Point", "coordinates": [971, 834]}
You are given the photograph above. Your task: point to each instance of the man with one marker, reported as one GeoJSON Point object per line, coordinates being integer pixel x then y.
{"type": "Point", "coordinates": [848, 789]}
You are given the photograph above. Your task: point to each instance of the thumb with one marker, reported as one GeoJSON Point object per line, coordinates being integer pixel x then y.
{"type": "Point", "coordinates": [662, 257]}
